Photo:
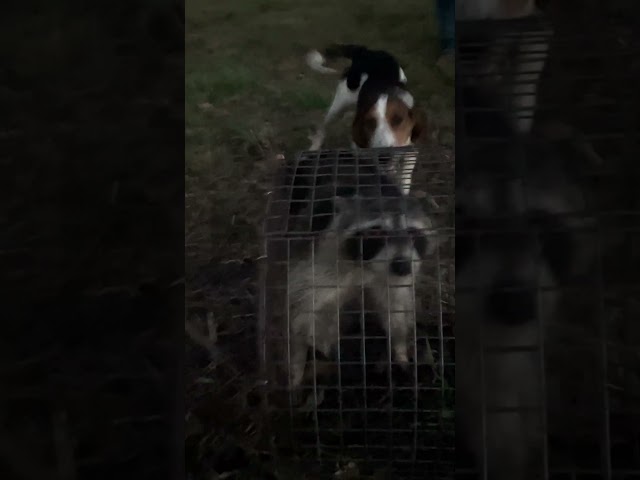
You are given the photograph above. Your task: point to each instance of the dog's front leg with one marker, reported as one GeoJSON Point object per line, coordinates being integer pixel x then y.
{"type": "Point", "coordinates": [342, 100]}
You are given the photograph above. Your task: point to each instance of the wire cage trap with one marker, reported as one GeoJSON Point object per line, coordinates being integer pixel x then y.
{"type": "Point", "coordinates": [547, 342]}
{"type": "Point", "coordinates": [357, 311]}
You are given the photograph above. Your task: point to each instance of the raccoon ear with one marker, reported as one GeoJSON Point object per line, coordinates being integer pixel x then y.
{"type": "Point", "coordinates": [341, 203]}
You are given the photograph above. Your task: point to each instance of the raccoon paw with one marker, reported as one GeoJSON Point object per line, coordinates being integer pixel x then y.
{"type": "Point", "coordinates": [316, 140]}
{"type": "Point", "coordinates": [401, 355]}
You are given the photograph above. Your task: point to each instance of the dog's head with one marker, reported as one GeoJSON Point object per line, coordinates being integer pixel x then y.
{"type": "Point", "coordinates": [387, 117]}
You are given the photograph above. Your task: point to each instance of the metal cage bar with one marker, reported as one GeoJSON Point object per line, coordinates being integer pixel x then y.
{"type": "Point", "coordinates": [585, 107]}
{"type": "Point", "coordinates": [367, 409]}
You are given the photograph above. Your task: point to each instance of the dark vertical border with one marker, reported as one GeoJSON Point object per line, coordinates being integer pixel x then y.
{"type": "Point", "coordinates": [92, 239]}
{"type": "Point", "coordinates": [586, 29]}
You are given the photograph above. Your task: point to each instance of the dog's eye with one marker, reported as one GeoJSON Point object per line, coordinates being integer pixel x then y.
{"type": "Point", "coordinates": [370, 124]}
{"type": "Point", "coordinates": [396, 120]}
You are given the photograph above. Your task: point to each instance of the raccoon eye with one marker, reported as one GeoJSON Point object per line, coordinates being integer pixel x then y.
{"type": "Point", "coordinates": [362, 246]}
{"type": "Point", "coordinates": [420, 241]}
{"type": "Point", "coordinates": [371, 247]}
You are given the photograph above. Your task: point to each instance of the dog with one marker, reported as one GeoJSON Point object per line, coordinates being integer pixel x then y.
{"type": "Point", "coordinates": [376, 85]}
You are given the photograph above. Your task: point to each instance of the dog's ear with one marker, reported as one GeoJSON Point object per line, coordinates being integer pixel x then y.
{"type": "Point", "coordinates": [405, 96]}
{"type": "Point", "coordinates": [359, 134]}
{"type": "Point", "coordinates": [420, 130]}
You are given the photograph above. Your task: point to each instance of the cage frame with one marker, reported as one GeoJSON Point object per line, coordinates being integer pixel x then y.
{"type": "Point", "coordinates": [263, 319]}
{"type": "Point", "coordinates": [627, 129]}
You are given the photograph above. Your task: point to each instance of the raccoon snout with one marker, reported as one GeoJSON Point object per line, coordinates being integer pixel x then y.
{"type": "Point", "coordinates": [512, 303]}
{"type": "Point", "coordinates": [401, 266]}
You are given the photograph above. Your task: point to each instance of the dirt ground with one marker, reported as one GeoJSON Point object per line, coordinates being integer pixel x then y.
{"type": "Point", "coordinates": [248, 98]}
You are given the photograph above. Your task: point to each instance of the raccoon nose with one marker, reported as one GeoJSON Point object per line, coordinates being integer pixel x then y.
{"type": "Point", "coordinates": [401, 266]}
{"type": "Point", "coordinates": [512, 303]}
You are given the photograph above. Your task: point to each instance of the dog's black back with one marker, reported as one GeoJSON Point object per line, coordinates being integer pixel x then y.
{"type": "Point", "coordinates": [380, 66]}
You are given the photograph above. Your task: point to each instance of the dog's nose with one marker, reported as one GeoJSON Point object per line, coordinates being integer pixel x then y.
{"type": "Point", "coordinates": [512, 303]}
{"type": "Point", "coordinates": [401, 266]}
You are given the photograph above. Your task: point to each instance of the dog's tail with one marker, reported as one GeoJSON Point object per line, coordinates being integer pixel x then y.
{"type": "Point", "coordinates": [316, 60]}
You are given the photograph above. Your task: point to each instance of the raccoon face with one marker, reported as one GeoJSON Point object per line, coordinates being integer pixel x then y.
{"type": "Point", "coordinates": [503, 275]}
{"type": "Point", "coordinates": [396, 252]}
{"type": "Point", "coordinates": [392, 239]}
{"type": "Point", "coordinates": [516, 240]}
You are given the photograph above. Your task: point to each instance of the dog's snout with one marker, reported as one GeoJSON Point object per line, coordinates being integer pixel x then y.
{"type": "Point", "coordinates": [401, 266]}
{"type": "Point", "coordinates": [512, 303]}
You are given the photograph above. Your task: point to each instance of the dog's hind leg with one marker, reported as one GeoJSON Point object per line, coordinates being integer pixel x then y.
{"type": "Point", "coordinates": [342, 100]}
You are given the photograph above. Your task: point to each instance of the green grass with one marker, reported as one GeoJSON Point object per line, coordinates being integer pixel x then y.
{"type": "Point", "coordinates": [248, 97]}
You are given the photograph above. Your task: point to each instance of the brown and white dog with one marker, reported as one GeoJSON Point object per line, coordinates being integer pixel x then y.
{"type": "Point", "coordinates": [375, 84]}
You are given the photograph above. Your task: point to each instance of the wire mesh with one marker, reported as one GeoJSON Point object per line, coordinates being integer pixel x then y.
{"type": "Point", "coordinates": [547, 342]}
{"type": "Point", "coordinates": [336, 224]}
